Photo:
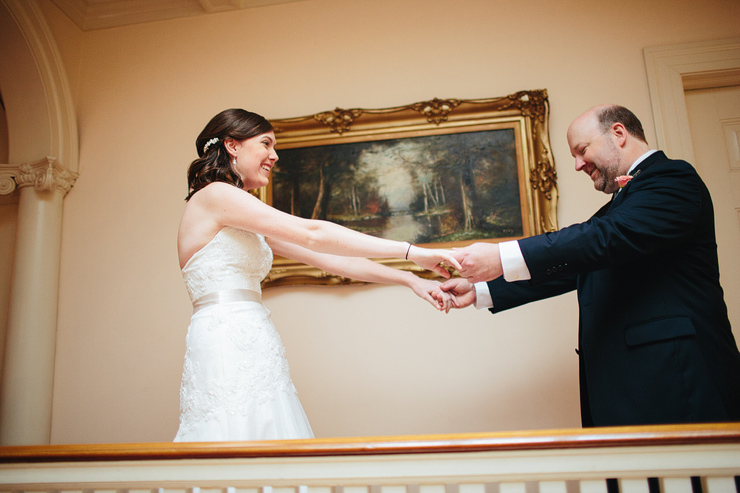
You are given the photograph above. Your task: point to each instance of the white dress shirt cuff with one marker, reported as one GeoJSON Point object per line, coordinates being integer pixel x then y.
{"type": "Point", "coordinates": [515, 269]}
{"type": "Point", "coordinates": [512, 260]}
{"type": "Point", "coordinates": [482, 296]}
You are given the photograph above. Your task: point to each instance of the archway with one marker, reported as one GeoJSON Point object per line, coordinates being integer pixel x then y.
{"type": "Point", "coordinates": [43, 160]}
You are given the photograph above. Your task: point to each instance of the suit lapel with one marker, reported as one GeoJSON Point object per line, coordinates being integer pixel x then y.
{"type": "Point", "coordinates": [655, 157]}
{"type": "Point", "coordinates": [649, 161]}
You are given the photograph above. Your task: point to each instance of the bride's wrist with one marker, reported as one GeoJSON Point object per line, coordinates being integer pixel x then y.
{"type": "Point", "coordinates": [410, 279]}
{"type": "Point", "coordinates": [408, 250]}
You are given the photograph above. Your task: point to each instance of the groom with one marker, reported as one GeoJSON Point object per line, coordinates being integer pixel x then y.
{"type": "Point", "coordinates": [655, 344]}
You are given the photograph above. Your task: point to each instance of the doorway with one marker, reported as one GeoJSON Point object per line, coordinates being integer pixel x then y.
{"type": "Point", "coordinates": [714, 119]}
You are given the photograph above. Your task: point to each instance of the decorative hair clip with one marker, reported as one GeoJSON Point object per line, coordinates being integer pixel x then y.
{"type": "Point", "coordinates": [208, 144]}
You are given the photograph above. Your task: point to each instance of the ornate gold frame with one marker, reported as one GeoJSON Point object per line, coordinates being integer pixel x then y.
{"type": "Point", "coordinates": [528, 111]}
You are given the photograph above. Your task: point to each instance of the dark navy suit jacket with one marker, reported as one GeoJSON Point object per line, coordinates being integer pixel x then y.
{"type": "Point", "coordinates": [655, 343]}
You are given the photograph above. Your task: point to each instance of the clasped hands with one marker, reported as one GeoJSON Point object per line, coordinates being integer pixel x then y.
{"type": "Point", "coordinates": [476, 263]}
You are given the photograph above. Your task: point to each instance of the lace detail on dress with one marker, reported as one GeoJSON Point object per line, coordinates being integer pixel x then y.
{"type": "Point", "coordinates": [234, 259]}
{"type": "Point", "coordinates": [262, 374]}
{"type": "Point", "coordinates": [236, 382]}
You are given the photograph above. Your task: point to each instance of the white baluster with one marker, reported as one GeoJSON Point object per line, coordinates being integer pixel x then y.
{"type": "Point", "coordinates": [634, 486]}
{"type": "Point", "coordinates": [314, 489]}
{"type": "Point", "coordinates": [553, 487]}
{"type": "Point", "coordinates": [676, 485]}
{"type": "Point", "coordinates": [432, 488]}
{"type": "Point", "coordinates": [356, 489]}
{"type": "Point", "coordinates": [720, 485]}
{"type": "Point", "coordinates": [512, 487]}
{"type": "Point", "coordinates": [593, 486]}
{"type": "Point", "coordinates": [472, 488]}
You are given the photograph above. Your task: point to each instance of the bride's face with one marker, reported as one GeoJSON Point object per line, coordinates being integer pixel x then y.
{"type": "Point", "coordinates": [255, 158]}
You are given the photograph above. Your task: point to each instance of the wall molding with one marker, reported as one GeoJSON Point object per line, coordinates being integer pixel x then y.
{"type": "Point", "coordinates": [62, 119]}
{"type": "Point", "coordinates": [667, 67]}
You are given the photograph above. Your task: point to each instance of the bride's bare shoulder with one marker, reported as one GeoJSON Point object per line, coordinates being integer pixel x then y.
{"type": "Point", "coordinates": [217, 192]}
{"type": "Point", "coordinates": [198, 225]}
{"type": "Point", "coordinates": [211, 191]}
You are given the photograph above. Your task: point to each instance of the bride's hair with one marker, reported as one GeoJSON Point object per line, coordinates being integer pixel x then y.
{"type": "Point", "coordinates": [214, 163]}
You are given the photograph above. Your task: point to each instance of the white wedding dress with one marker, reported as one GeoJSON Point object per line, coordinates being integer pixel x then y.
{"type": "Point", "coordinates": [236, 382]}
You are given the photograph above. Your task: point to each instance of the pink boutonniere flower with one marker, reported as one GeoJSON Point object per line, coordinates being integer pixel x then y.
{"type": "Point", "coordinates": [623, 180]}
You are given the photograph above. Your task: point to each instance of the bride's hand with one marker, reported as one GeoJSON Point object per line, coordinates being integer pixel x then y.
{"type": "Point", "coordinates": [431, 291]}
{"type": "Point", "coordinates": [433, 259]}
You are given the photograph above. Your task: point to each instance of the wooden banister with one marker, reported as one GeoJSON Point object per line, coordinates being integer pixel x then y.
{"type": "Point", "coordinates": [409, 444]}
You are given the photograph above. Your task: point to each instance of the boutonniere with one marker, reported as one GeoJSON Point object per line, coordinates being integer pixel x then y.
{"type": "Point", "coordinates": [623, 180]}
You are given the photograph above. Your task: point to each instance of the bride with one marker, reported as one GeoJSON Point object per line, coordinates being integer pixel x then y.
{"type": "Point", "coordinates": [236, 382]}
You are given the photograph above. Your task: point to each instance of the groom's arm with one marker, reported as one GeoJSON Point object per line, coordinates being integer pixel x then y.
{"type": "Point", "coordinates": [487, 261]}
{"type": "Point", "coordinates": [505, 295]}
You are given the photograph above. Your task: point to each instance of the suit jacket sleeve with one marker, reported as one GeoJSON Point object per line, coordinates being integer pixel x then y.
{"type": "Point", "coordinates": [507, 295]}
{"type": "Point", "coordinates": [659, 209]}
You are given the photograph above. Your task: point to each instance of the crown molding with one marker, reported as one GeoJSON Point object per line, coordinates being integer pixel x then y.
{"type": "Point", "coordinates": [90, 15]}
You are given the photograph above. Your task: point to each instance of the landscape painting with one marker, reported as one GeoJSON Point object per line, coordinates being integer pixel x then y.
{"type": "Point", "coordinates": [442, 172]}
{"type": "Point", "coordinates": [429, 189]}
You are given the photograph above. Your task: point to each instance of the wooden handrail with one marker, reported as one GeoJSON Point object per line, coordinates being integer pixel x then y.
{"type": "Point", "coordinates": [408, 444]}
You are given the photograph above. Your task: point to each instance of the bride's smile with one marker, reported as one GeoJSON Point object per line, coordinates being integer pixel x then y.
{"type": "Point", "coordinates": [254, 159]}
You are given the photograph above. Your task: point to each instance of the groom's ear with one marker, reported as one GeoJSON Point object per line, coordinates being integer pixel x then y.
{"type": "Point", "coordinates": [620, 134]}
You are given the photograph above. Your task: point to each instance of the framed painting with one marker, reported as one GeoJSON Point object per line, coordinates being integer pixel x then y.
{"type": "Point", "coordinates": [442, 173]}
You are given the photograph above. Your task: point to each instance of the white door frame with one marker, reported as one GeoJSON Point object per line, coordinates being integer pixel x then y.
{"type": "Point", "coordinates": [668, 67]}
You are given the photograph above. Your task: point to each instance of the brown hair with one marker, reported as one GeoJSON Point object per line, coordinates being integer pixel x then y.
{"type": "Point", "coordinates": [610, 115]}
{"type": "Point", "coordinates": [214, 163]}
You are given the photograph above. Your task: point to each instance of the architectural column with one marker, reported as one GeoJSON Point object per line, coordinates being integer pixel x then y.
{"type": "Point", "coordinates": [30, 343]}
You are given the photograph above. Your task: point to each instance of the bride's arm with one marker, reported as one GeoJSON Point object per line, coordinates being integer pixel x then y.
{"type": "Point", "coordinates": [362, 269]}
{"type": "Point", "coordinates": [230, 206]}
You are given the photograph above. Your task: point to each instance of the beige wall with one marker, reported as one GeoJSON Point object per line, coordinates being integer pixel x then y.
{"type": "Point", "coordinates": [367, 360]}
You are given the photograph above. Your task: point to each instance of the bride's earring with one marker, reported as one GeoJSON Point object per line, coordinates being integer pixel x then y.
{"type": "Point", "coordinates": [233, 163]}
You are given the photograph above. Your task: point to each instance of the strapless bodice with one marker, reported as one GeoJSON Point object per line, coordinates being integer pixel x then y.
{"type": "Point", "coordinates": [233, 259]}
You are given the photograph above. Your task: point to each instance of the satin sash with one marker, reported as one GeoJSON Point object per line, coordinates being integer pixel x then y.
{"type": "Point", "coordinates": [226, 296]}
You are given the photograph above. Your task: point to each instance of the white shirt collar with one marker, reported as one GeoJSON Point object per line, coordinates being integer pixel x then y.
{"type": "Point", "coordinates": [641, 159]}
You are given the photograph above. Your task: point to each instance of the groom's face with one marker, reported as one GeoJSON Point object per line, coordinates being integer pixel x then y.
{"type": "Point", "coordinates": [595, 153]}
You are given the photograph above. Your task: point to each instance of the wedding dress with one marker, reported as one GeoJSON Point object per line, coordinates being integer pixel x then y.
{"type": "Point", "coordinates": [236, 382]}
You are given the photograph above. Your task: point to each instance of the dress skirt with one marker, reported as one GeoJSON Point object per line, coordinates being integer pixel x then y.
{"type": "Point", "coordinates": [236, 383]}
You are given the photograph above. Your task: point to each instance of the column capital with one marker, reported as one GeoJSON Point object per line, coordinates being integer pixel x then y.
{"type": "Point", "coordinates": [44, 175]}
{"type": "Point", "coordinates": [7, 178]}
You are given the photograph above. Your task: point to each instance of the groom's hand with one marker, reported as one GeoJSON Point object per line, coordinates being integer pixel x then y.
{"type": "Point", "coordinates": [480, 262]}
{"type": "Point", "coordinates": [462, 290]}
